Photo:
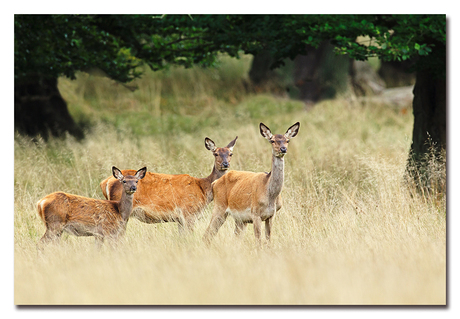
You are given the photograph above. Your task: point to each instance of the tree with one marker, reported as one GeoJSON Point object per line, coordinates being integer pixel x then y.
{"type": "Point", "coordinates": [418, 38]}
{"type": "Point", "coordinates": [422, 39]}
{"type": "Point", "coordinates": [47, 47]}
{"type": "Point", "coordinates": [50, 46]}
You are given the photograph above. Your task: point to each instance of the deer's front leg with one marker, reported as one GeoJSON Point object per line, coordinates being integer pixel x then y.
{"type": "Point", "coordinates": [257, 223]}
{"type": "Point", "coordinates": [239, 227]}
{"type": "Point", "coordinates": [99, 241]}
{"type": "Point", "coordinates": [268, 227]}
{"type": "Point", "coordinates": [217, 220]}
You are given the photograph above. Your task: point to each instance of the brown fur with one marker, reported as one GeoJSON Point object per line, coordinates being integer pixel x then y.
{"type": "Point", "coordinates": [252, 197]}
{"type": "Point", "coordinates": [173, 198]}
{"type": "Point", "coordinates": [82, 216]}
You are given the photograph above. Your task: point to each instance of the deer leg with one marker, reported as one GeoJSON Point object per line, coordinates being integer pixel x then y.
{"type": "Point", "coordinates": [268, 227]}
{"type": "Point", "coordinates": [257, 222]}
{"type": "Point", "coordinates": [240, 227]}
{"type": "Point", "coordinates": [52, 234]}
{"type": "Point", "coordinates": [217, 220]}
{"type": "Point", "coordinates": [99, 241]}
{"type": "Point", "coordinates": [180, 225]}
{"type": "Point", "coordinates": [186, 224]}
{"type": "Point", "coordinates": [190, 223]}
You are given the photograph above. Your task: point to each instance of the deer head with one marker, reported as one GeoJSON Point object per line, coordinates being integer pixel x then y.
{"type": "Point", "coordinates": [129, 182]}
{"type": "Point", "coordinates": [223, 155]}
{"type": "Point", "coordinates": [279, 141]}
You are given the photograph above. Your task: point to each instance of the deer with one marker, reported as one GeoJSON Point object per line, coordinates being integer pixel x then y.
{"type": "Point", "coordinates": [251, 197]}
{"type": "Point", "coordinates": [177, 198]}
{"type": "Point", "coordinates": [83, 216]}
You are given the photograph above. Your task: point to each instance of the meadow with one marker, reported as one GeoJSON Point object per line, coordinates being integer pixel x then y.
{"type": "Point", "coordinates": [351, 232]}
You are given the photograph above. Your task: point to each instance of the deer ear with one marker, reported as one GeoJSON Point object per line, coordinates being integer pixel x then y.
{"type": "Point", "coordinates": [210, 145]}
{"type": "Point", "coordinates": [117, 173]}
{"type": "Point", "coordinates": [140, 174]}
{"type": "Point", "coordinates": [265, 131]}
{"type": "Point", "coordinates": [292, 131]}
{"type": "Point", "coordinates": [231, 144]}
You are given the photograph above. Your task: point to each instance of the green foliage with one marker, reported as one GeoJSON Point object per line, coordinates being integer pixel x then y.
{"type": "Point", "coordinates": [393, 38]}
{"type": "Point", "coordinates": [58, 45]}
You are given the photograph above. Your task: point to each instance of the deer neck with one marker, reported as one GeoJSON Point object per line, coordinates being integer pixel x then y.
{"type": "Point", "coordinates": [207, 188]}
{"type": "Point", "coordinates": [125, 206]}
{"type": "Point", "coordinates": [215, 175]}
{"type": "Point", "coordinates": [276, 179]}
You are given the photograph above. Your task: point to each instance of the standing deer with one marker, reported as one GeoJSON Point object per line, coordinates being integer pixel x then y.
{"type": "Point", "coordinates": [252, 197]}
{"type": "Point", "coordinates": [82, 216]}
{"type": "Point", "coordinates": [173, 198]}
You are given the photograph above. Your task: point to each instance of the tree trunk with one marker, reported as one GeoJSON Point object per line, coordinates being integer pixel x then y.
{"type": "Point", "coordinates": [427, 159]}
{"type": "Point", "coordinates": [307, 73]}
{"type": "Point", "coordinates": [320, 74]}
{"type": "Point", "coordinates": [39, 109]}
{"type": "Point", "coordinates": [260, 68]}
{"type": "Point", "coordinates": [262, 78]}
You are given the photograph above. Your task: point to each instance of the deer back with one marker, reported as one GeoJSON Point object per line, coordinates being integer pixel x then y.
{"type": "Point", "coordinates": [161, 192]}
{"type": "Point", "coordinates": [68, 209]}
{"type": "Point", "coordinates": [240, 190]}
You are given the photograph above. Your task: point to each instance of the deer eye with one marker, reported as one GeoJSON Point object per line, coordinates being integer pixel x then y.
{"type": "Point", "coordinates": [231, 154]}
{"type": "Point", "coordinates": [272, 141]}
{"type": "Point", "coordinates": [124, 182]}
{"type": "Point", "coordinates": [215, 154]}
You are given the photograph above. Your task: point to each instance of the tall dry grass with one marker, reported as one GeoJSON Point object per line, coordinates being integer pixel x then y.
{"type": "Point", "coordinates": [350, 232]}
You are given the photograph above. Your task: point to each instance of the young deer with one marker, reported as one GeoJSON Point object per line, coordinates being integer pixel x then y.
{"type": "Point", "coordinates": [82, 216]}
{"type": "Point", "coordinates": [173, 198]}
{"type": "Point", "coordinates": [252, 197]}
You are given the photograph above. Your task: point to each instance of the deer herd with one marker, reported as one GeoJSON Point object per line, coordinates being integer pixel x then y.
{"type": "Point", "coordinates": [155, 198]}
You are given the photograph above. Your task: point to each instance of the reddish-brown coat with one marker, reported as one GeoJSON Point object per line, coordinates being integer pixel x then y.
{"type": "Point", "coordinates": [173, 198]}
{"type": "Point", "coordinates": [162, 197]}
{"type": "Point", "coordinates": [252, 197]}
{"type": "Point", "coordinates": [82, 216]}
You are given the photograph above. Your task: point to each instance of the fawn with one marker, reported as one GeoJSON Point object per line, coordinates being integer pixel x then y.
{"type": "Point", "coordinates": [82, 216]}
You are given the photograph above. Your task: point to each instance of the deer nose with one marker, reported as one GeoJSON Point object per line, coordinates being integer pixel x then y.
{"type": "Point", "coordinates": [225, 164]}
{"type": "Point", "coordinates": [133, 188]}
{"type": "Point", "coordinates": [283, 149]}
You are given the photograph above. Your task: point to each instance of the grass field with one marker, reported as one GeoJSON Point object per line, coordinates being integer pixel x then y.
{"type": "Point", "coordinates": [350, 232]}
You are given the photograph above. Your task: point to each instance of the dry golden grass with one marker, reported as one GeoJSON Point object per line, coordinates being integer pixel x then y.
{"type": "Point", "coordinates": [350, 231]}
